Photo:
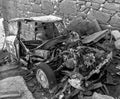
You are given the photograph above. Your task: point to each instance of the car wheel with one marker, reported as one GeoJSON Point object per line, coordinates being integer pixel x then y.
{"type": "Point", "coordinates": [45, 76]}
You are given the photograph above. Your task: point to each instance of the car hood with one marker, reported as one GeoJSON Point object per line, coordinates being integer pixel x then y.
{"type": "Point", "coordinates": [49, 44]}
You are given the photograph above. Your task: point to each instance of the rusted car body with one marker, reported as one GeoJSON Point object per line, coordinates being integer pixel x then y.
{"type": "Point", "coordinates": [63, 59]}
{"type": "Point", "coordinates": [34, 53]}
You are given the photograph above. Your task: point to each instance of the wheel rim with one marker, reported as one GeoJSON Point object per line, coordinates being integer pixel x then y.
{"type": "Point", "coordinates": [42, 78]}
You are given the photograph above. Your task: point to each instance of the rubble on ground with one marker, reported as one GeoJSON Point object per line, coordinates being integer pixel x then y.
{"type": "Point", "coordinates": [14, 88]}
{"type": "Point", "coordinates": [99, 96]}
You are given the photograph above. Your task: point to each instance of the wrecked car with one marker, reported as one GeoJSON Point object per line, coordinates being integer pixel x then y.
{"type": "Point", "coordinates": [36, 51]}
{"type": "Point", "coordinates": [65, 63]}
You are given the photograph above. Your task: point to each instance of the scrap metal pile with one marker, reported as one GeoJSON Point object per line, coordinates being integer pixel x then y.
{"type": "Point", "coordinates": [81, 64]}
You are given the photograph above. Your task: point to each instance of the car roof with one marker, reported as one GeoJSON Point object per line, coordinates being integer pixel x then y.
{"type": "Point", "coordinates": [45, 19]}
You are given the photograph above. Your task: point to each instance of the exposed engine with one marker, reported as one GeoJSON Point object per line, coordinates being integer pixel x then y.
{"type": "Point", "coordinates": [78, 64]}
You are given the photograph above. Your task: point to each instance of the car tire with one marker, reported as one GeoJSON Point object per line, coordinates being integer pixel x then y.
{"type": "Point", "coordinates": [45, 76]}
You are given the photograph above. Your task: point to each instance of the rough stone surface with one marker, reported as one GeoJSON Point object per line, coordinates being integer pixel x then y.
{"type": "Point", "coordinates": [108, 11]}
{"type": "Point", "coordinates": [80, 2]}
{"type": "Point", "coordinates": [23, 1]}
{"type": "Point", "coordinates": [83, 7]}
{"type": "Point", "coordinates": [95, 6]}
{"type": "Point", "coordinates": [37, 2]}
{"type": "Point", "coordinates": [36, 8]}
{"type": "Point", "coordinates": [81, 14]}
{"type": "Point", "coordinates": [88, 4]}
{"type": "Point", "coordinates": [32, 1]}
{"type": "Point", "coordinates": [68, 8]}
{"type": "Point", "coordinates": [82, 26]}
{"type": "Point", "coordinates": [78, 6]}
{"type": "Point", "coordinates": [90, 15]}
{"type": "Point", "coordinates": [20, 6]}
{"type": "Point", "coordinates": [110, 1]}
{"type": "Point", "coordinates": [116, 34]}
{"type": "Point", "coordinates": [98, 1]}
{"type": "Point", "coordinates": [24, 7]}
{"type": "Point", "coordinates": [86, 10]}
{"type": "Point", "coordinates": [100, 96]}
{"type": "Point", "coordinates": [115, 21]}
{"type": "Point", "coordinates": [20, 13]}
{"type": "Point", "coordinates": [2, 33]}
{"type": "Point", "coordinates": [112, 6]}
{"type": "Point", "coordinates": [117, 1]}
{"type": "Point", "coordinates": [9, 6]}
{"type": "Point", "coordinates": [103, 26]}
{"type": "Point", "coordinates": [16, 84]}
{"type": "Point", "coordinates": [118, 14]}
{"type": "Point", "coordinates": [101, 16]}
{"type": "Point", "coordinates": [47, 7]}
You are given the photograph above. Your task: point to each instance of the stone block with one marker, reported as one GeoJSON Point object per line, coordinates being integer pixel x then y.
{"type": "Point", "coordinates": [115, 21]}
{"type": "Point", "coordinates": [82, 26]}
{"type": "Point", "coordinates": [95, 6]}
{"type": "Point", "coordinates": [81, 14]}
{"type": "Point", "coordinates": [103, 26]}
{"type": "Point", "coordinates": [0, 2]}
{"type": "Point", "coordinates": [115, 34]}
{"type": "Point", "coordinates": [12, 13]}
{"type": "Point", "coordinates": [37, 2]}
{"type": "Point", "coordinates": [29, 14]}
{"type": "Point", "coordinates": [90, 15]}
{"type": "Point", "coordinates": [86, 10]}
{"type": "Point", "coordinates": [112, 6]}
{"type": "Point", "coordinates": [70, 18]}
{"type": "Point", "coordinates": [27, 8]}
{"type": "Point", "coordinates": [47, 7]}
{"type": "Point", "coordinates": [32, 1]}
{"type": "Point", "coordinates": [98, 1]}
{"type": "Point", "coordinates": [101, 16]}
{"type": "Point", "coordinates": [20, 6]}
{"type": "Point", "coordinates": [32, 14]}
{"type": "Point", "coordinates": [23, 1]}
{"type": "Point", "coordinates": [11, 8]}
{"type": "Point", "coordinates": [80, 2]}
{"type": "Point", "coordinates": [110, 1]}
{"type": "Point", "coordinates": [78, 6]}
{"type": "Point", "coordinates": [2, 38]}
{"type": "Point", "coordinates": [88, 0]}
{"type": "Point", "coordinates": [118, 14]}
{"type": "Point", "coordinates": [117, 1]}
{"type": "Point", "coordinates": [108, 11]}
{"type": "Point", "coordinates": [19, 13]}
{"type": "Point", "coordinates": [68, 8]}
{"type": "Point", "coordinates": [24, 7]}
{"type": "Point", "coordinates": [38, 14]}
{"type": "Point", "coordinates": [88, 4]}
{"type": "Point", "coordinates": [36, 8]}
{"type": "Point", "coordinates": [15, 84]}
{"type": "Point", "coordinates": [100, 96]}
{"type": "Point", "coordinates": [10, 4]}
{"type": "Point", "coordinates": [83, 7]}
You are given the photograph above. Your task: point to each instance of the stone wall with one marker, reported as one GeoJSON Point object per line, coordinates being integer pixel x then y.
{"type": "Point", "coordinates": [107, 12]}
